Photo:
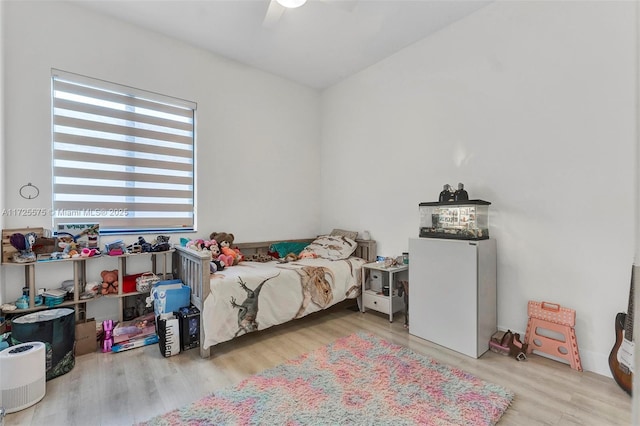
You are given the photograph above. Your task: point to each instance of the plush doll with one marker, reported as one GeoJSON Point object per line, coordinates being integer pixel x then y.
{"type": "Point", "coordinates": [109, 281]}
{"type": "Point", "coordinates": [307, 255]}
{"type": "Point", "coordinates": [197, 245]}
{"type": "Point", "coordinates": [218, 261]}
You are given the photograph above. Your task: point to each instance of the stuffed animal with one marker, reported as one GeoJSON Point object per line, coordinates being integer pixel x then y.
{"type": "Point", "coordinates": [307, 255]}
{"type": "Point", "coordinates": [225, 242]}
{"type": "Point", "coordinates": [221, 237]}
{"type": "Point", "coordinates": [197, 245]}
{"type": "Point", "coordinates": [109, 281]}
{"type": "Point", "coordinates": [218, 260]}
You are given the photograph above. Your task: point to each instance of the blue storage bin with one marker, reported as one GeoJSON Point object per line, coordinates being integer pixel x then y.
{"type": "Point", "coordinates": [170, 296]}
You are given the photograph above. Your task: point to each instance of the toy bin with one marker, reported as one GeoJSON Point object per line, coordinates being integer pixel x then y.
{"type": "Point", "coordinates": [56, 329]}
{"type": "Point", "coordinates": [460, 220]}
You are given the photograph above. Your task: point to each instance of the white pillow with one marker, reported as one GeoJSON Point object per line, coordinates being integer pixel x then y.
{"type": "Point", "coordinates": [344, 233]}
{"type": "Point", "coordinates": [332, 247]}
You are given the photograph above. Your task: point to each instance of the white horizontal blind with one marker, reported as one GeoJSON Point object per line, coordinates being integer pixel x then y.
{"type": "Point", "coordinates": [122, 157]}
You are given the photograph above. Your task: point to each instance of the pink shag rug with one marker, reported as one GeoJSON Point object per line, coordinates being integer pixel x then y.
{"type": "Point", "coordinates": [358, 379]}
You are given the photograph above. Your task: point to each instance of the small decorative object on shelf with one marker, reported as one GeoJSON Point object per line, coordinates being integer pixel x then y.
{"type": "Point", "coordinates": [447, 194]}
{"type": "Point", "coordinates": [24, 244]}
{"type": "Point", "coordinates": [115, 248]}
{"type": "Point", "coordinates": [145, 281]}
{"type": "Point", "coordinates": [161, 244]}
{"type": "Point", "coordinates": [460, 194]}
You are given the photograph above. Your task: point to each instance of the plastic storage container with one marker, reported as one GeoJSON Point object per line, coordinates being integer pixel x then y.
{"type": "Point", "coordinates": [461, 220]}
{"type": "Point", "coordinates": [55, 328]}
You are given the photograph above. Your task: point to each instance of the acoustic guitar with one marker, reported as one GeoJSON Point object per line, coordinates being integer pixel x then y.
{"type": "Point", "coordinates": [621, 356]}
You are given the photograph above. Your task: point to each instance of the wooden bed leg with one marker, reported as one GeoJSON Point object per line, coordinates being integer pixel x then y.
{"type": "Point", "coordinates": [205, 353]}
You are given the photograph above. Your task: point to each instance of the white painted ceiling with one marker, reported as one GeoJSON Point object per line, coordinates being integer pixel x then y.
{"type": "Point", "coordinates": [317, 44]}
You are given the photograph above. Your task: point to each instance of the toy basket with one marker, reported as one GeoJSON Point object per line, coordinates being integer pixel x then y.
{"type": "Point", "coordinates": [145, 281]}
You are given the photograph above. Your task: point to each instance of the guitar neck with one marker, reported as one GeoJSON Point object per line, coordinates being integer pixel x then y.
{"type": "Point", "coordinates": [628, 323]}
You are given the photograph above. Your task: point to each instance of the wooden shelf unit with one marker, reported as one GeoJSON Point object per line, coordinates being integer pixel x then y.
{"type": "Point", "coordinates": [80, 280]}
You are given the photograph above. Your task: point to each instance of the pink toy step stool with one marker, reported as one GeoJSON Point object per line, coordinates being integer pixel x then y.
{"type": "Point", "coordinates": [559, 320]}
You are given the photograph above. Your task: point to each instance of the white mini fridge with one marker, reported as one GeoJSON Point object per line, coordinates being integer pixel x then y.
{"type": "Point", "coordinates": [452, 293]}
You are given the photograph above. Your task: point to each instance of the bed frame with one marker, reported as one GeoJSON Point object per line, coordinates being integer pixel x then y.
{"type": "Point", "coordinates": [192, 268]}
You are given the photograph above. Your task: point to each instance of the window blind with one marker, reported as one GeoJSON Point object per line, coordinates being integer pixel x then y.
{"type": "Point", "coordinates": [122, 157]}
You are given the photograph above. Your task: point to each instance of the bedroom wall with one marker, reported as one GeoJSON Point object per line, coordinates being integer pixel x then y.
{"type": "Point", "coordinates": [258, 134]}
{"type": "Point", "coordinates": [2, 173]}
{"type": "Point", "coordinates": [532, 106]}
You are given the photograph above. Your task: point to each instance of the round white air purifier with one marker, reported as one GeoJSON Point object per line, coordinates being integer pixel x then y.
{"type": "Point", "coordinates": [22, 375]}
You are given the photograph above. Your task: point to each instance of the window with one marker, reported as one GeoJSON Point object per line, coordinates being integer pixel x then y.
{"type": "Point", "coordinates": [122, 157]}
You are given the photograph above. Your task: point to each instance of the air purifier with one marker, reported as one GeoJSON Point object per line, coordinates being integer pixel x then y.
{"type": "Point", "coordinates": [22, 375]}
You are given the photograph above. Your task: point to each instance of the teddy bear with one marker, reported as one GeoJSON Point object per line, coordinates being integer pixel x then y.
{"type": "Point", "coordinates": [225, 241]}
{"type": "Point", "coordinates": [109, 281]}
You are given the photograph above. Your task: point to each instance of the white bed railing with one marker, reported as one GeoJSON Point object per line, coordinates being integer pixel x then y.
{"type": "Point", "coordinates": [192, 267]}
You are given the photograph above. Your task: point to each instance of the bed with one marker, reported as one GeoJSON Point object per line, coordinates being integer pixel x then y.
{"type": "Point", "coordinates": [254, 295]}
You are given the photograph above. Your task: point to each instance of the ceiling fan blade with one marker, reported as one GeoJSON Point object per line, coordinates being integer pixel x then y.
{"type": "Point", "coordinates": [273, 15]}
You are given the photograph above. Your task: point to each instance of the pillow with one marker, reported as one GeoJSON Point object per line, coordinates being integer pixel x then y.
{"type": "Point", "coordinates": [286, 247]}
{"type": "Point", "coordinates": [342, 233]}
{"type": "Point", "coordinates": [331, 247]}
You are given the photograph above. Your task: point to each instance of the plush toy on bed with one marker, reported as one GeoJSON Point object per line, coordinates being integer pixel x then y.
{"type": "Point", "coordinates": [217, 260]}
{"type": "Point", "coordinates": [225, 241]}
{"type": "Point", "coordinates": [307, 255]}
{"type": "Point", "coordinates": [197, 245]}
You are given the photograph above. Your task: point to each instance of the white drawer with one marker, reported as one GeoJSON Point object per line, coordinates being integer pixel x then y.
{"type": "Point", "coordinates": [373, 301]}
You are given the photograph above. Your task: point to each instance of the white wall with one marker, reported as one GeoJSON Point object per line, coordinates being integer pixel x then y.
{"type": "Point", "coordinates": [2, 173]}
{"type": "Point", "coordinates": [531, 105]}
{"type": "Point", "coordinates": [258, 134]}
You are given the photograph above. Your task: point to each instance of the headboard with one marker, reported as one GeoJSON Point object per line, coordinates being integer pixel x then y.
{"type": "Point", "coordinates": [366, 248]}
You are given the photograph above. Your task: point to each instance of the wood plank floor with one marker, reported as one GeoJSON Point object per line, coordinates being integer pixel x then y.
{"type": "Point", "coordinates": [132, 386]}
